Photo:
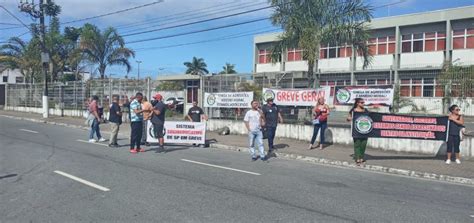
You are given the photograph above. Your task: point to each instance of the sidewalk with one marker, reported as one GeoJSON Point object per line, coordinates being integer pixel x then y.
{"type": "Point", "coordinates": [417, 165]}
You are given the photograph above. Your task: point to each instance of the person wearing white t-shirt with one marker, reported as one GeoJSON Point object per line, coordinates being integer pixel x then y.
{"type": "Point", "coordinates": [254, 120]}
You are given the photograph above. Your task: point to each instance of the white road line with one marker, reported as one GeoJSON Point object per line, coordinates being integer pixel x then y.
{"type": "Point", "coordinates": [221, 167]}
{"type": "Point", "coordinates": [95, 143]}
{"type": "Point", "coordinates": [26, 130]}
{"type": "Point", "coordinates": [88, 183]}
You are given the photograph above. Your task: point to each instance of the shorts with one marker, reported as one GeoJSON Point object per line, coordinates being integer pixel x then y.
{"type": "Point", "coordinates": [158, 130]}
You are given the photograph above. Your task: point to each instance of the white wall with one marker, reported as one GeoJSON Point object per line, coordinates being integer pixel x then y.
{"type": "Point", "coordinates": [11, 74]}
{"type": "Point", "coordinates": [340, 135]}
{"type": "Point", "coordinates": [378, 62]}
{"type": "Point", "coordinates": [335, 64]}
{"type": "Point", "coordinates": [466, 56]}
{"type": "Point", "coordinates": [296, 66]}
{"type": "Point", "coordinates": [421, 59]}
{"type": "Point", "coordinates": [268, 67]}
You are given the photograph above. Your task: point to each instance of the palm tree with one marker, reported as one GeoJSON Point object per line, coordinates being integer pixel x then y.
{"type": "Point", "coordinates": [106, 48]}
{"type": "Point", "coordinates": [196, 67]}
{"type": "Point", "coordinates": [309, 23]}
{"type": "Point", "coordinates": [228, 69]}
{"type": "Point", "coordinates": [25, 56]}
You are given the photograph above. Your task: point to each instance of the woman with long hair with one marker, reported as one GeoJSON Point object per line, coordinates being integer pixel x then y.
{"type": "Point", "coordinates": [360, 143]}
{"type": "Point", "coordinates": [456, 122]}
{"type": "Point", "coordinates": [320, 122]}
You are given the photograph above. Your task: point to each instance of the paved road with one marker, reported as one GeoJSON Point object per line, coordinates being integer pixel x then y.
{"type": "Point", "coordinates": [199, 185]}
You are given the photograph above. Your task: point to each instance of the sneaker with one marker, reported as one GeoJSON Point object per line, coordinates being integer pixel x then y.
{"type": "Point", "coordinates": [448, 161]}
{"type": "Point", "coordinates": [458, 161]}
{"type": "Point", "coordinates": [310, 147]}
{"type": "Point", "coordinates": [92, 140]}
{"type": "Point", "coordinates": [254, 158]}
{"type": "Point", "coordinates": [147, 144]}
{"type": "Point", "coordinates": [140, 150]}
{"type": "Point", "coordinates": [102, 140]}
{"type": "Point", "coordinates": [263, 158]}
{"type": "Point", "coordinates": [133, 151]}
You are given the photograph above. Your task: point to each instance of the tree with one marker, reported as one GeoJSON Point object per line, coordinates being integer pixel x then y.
{"type": "Point", "coordinates": [228, 69]}
{"type": "Point", "coordinates": [309, 23]}
{"type": "Point", "coordinates": [257, 90]}
{"type": "Point", "coordinates": [196, 67]}
{"type": "Point", "coordinates": [106, 48]}
{"type": "Point", "coordinates": [25, 56]}
{"type": "Point", "coordinates": [459, 84]}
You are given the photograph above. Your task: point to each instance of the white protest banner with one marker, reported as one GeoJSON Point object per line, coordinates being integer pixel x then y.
{"type": "Point", "coordinates": [297, 97]}
{"type": "Point", "coordinates": [179, 132]}
{"type": "Point", "coordinates": [372, 95]}
{"type": "Point", "coordinates": [228, 99]}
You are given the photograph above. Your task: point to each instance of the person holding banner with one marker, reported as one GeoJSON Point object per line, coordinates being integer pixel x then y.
{"type": "Point", "coordinates": [320, 122]}
{"type": "Point", "coordinates": [195, 114]}
{"type": "Point", "coordinates": [360, 144]}
{"type": "Point", "coordinates": [254, 121]}
{"type": "Point", "coordinates": [456, 122]}
{"type": "Point", "coordinates": [272, 117]}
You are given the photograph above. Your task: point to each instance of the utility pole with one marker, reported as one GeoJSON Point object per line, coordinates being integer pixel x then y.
{"type": "Point", "coordinates": [31, 9]}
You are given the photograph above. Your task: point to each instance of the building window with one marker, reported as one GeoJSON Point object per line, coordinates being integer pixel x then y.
{"type": "Point", "coordinates": [5, 79]}
{"type": "Point", "coordinates": [420, 87]}
{"type": "Point", "coordinates": [264, 56]}
{"type": "Point", "coordinates": [19, 80]}
{"type": "Point", "coordinates": [192, 88]}
{"type": "Point", "coordinates": [424, 42]}
{"type": "Point", "coordinates": [361, 82]}
{"type": "Point", "coordinates": [334, 51]}
{"type": "Point", "coordinates": [463, 38]}
{"type": "Point", "coordinates": [294, 54]}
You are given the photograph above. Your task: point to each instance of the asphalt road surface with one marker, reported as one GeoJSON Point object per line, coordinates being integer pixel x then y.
{"type": "Point", "coordinates": [47, 175]}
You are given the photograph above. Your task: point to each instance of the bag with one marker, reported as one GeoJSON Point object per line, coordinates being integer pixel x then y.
{"type": "Point", "coordinates": [86, 114]}
{"type": "Point", "coordinates": [316, 121]}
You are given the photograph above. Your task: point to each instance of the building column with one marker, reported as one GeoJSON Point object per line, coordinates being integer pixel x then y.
{"type": "Point", "coordinates": [449, 37]}
{"type": "Point", "coordinates": [353, 66]}
{"type": "Point", "coordinates": [396, 59]}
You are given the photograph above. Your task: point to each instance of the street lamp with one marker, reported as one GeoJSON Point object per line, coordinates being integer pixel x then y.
{"type": "Point", "coordinates": [138, 76]}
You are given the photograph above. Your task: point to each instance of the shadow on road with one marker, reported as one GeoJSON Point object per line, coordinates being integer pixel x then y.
{"type": "Point", "coordinates": [8, 176]}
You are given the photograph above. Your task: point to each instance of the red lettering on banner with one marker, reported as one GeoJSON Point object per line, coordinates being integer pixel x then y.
{"type": "Point", "coordinates": [403, 126]}
{"type": "Point", "coordinates": [393, 118]}
{"type": "Point", "coordinates": [184, 132]}
{"type": "Point", "coordinates": [407, 134]}
{"type": "Point", "coordinates": [425, 120]}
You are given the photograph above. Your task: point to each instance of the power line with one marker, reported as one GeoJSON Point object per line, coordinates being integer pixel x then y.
{"type": "Point", "coordinates": [116, 12]}
{"type": "Point", "coordinates": [198, 31]}
{"type": "Point", "coordinates": [191, 14]}
{"type": "Point", "coordinates": [19, 20]}
{"type": "Point", "coordinates": [197, 22]}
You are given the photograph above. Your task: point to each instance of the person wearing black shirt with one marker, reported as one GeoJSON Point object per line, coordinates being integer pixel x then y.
{"type": "Point", "coordinates": [195, 114]}
{"type": "Point", "coordinates": [272, 117]}
{"type": "Point", "coordinates": [158, 120]}
{"type": "Point", "coordinates": [115, 119]}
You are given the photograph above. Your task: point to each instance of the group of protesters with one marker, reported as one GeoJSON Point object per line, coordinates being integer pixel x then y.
{"type": "Point", "coordinates": [259, 121]}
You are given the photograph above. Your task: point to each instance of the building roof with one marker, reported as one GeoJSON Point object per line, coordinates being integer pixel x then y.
{"type": "Point", "coordinates": [178, 77]}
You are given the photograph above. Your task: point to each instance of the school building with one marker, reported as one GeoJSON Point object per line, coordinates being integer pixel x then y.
{"type": "Point", "coordinates": [410, 48]}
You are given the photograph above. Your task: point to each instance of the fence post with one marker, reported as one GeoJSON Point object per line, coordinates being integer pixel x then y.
{"type": "Point", "coordinates": [6, 95]}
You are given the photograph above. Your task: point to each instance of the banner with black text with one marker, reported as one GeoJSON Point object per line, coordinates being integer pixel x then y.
{"type": "Point", "coordinates": [179, 132]}
{"type": "Point", "coordinates": [372, 95]}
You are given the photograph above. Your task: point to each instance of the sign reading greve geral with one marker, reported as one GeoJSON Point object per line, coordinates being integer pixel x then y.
{"type": "Point", "coordinates": [372, 95]}
{"type": "Point", "coordinates": [228, 100]}
{"type": "Point", "coordinates": [381, 125]}
{"type": "Point", "coordinates": [180, 132]}
{"type": "Point", "coordinates": [297, 97]}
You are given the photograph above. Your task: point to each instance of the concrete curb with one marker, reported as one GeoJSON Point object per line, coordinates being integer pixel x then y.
{"type": "Point", "coordinates": [289, 156]}
{"type": "Point", "coordinates": [375, 168]}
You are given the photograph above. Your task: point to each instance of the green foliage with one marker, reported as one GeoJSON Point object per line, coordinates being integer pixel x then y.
{"type": "Point", "coordinates": [25, 56]}
{"type": "Point", "coordinates": [402, 102]}
{"type": "Point", "coordinates": [228, 69]}
{"type": "Point", "coordinates": [459, 81]}
{"type": "Point", "coordinates": [69, 77]}
{"type": "Point", "coordinates": [257, 90]}
{"type": "Point", "coordinates": [196, 67]}
{"type": "Point", "coordinates": [309, 23]}
{"type": "Point", "coordinates": [170, 86]}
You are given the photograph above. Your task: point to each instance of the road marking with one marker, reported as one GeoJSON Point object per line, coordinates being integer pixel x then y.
{"type": "Point", "coordinates": [221, 167]}
{"type": "Point", "coordinates": [472, 216]}
{"type": "Point", "coordinates": [88, 183]}
{"type": "Point", "coordinates": [26, 130]}
{"type": "Point", "coordinates": [95, 143]}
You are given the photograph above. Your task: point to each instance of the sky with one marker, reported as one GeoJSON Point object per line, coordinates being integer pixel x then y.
{"type": "Point", "coordinates": [165, 56]}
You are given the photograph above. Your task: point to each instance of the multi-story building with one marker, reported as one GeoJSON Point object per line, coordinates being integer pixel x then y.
{"type": "Point", "coordinates": [409, 48]}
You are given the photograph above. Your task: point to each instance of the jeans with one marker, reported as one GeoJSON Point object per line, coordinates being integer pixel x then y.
{"type": "Point", "coordinates": [359, 148]}
{"type": "Point", "coordinates": [271, 136]}
{"type": "Point", "coordinates": [95, 129]}
{"type": "Point", "coordinates": [323, 126]}
{"type": "Point", "coordinates": [137, 131]}
{"type": "Point", "coordinates": [256, 135]}
{"type": "Point", "coordinates": [114, 129]}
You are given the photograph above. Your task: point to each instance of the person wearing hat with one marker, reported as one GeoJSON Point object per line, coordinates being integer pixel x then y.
{"type": "Point", "coordinates": [158, 120]}
{"type": "Point", "coordinates": [272, 117]}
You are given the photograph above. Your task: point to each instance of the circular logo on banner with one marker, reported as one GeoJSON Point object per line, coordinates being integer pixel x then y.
{"type": "Point", "coordinates": [153, 134]}
{"type": "Point", "coordinates": [211, 99]}
{"type": "Point", "coordinates": [268, 94]}
{"type": "Point", "coordinates": [363, 124]}
{"type": "Point", "coordinates": [343, 95]}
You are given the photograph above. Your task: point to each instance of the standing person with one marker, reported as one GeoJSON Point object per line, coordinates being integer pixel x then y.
{"type": "Point", "coordinates": [136, 119]}
{"type": "Point", "coordinates": [195, 114]}
{"type": "Point", "coordinates": [147, 113]}
{"type": "Point", "coordinates": [158, 120]}
{"type": "Point", "coordinates": [96, 119]}
{"type": "Point", "coordinates": [359, 143]}
{"type": "Point", "coordinates": [254, 120]}
{"type": "Point", "coordinates": [456, 122]}
{"type": "Point", "coordinates": [272, 117]}
{"type": "Point", "coordinates": [115, 118]}
{"type": "Point", "coordinates": [320, 122]}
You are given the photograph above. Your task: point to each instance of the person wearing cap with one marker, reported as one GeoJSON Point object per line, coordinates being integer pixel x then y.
{"type": "Point", "coordinates": [136, 119]}
{"type": "Point", "coordinates": [158, 120]}
{"type": "Point", "coordinates": [272, 117]}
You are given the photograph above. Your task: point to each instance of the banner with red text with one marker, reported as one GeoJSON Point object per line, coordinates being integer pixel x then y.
{"type": "Point", "coordinates": [179, 132]}
{"type": "Point", "coordinates": [372, 95]}
{"type": "Point", "coordinates": [381, 125]}
{"type": "Point", "coordinates": [297, 97]}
